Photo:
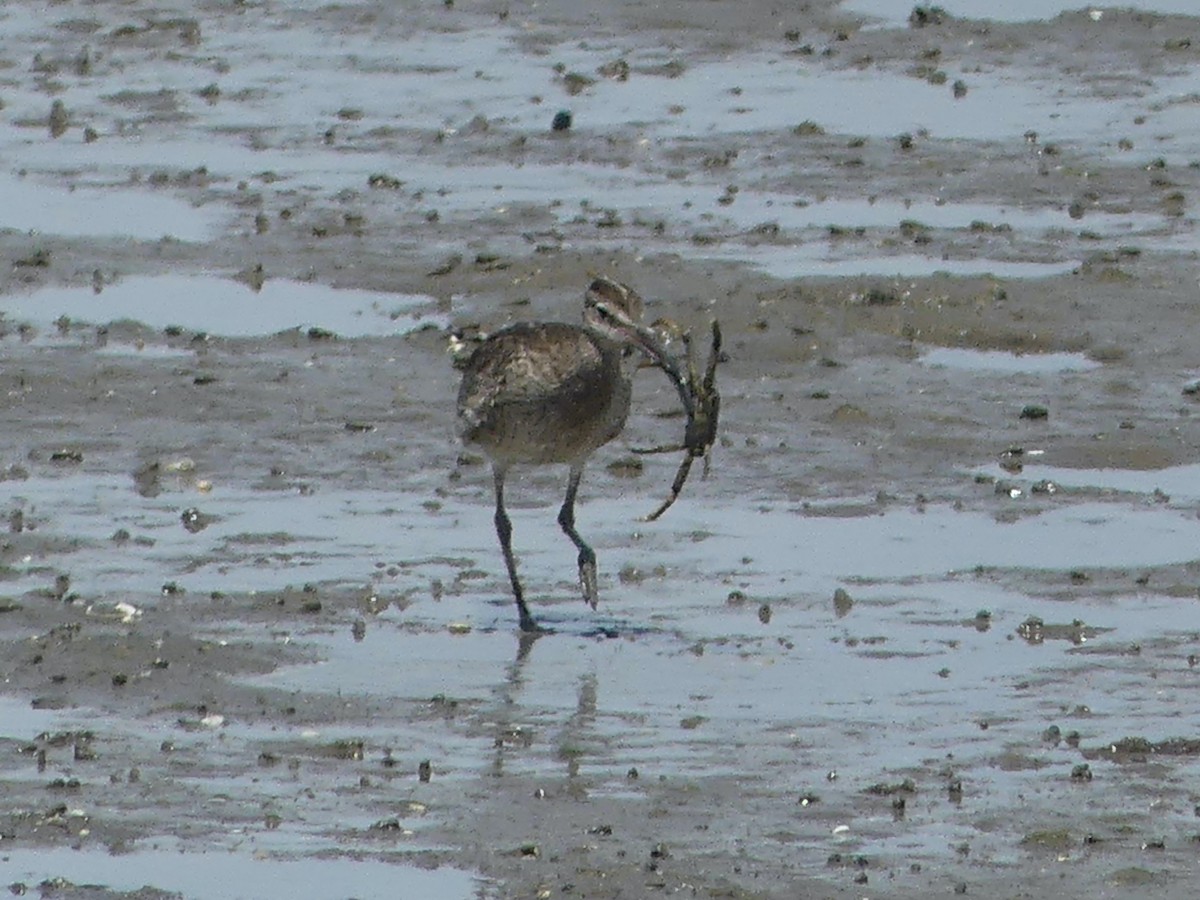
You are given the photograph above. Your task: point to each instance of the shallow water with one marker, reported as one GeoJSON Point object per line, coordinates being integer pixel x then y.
{"type": "Point", "coordinates": [1179, 483]}
{"type": "Point", "coordinates": [224, 307]}
{"type": "Point", "coordinates": [691, 686]}
{"type": "Point", "coordinates": [896, 13]}
{"type": "Point", "coordinates": [263, 540]}
{"type": "Point", "coordinates": [236, 876]}
{"type": "Point", "coordinates": [263, 122]}
{"type": "Point", "coordinates": [821, 261]}
{"type": "Point", "coordinates": [36, 207]}
{"type": "Point", "coordinates": [692, 201]}
{"type": "Point", "coordinates": [1001, 362]}
{"type": "Point", "coordinates": [719, 664]}
{"type": "Point", "coordinates": [20, 721]}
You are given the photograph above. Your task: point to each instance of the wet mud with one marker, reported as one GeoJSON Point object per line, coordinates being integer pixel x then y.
{"type": "Point", "coordinates": [929, 627]}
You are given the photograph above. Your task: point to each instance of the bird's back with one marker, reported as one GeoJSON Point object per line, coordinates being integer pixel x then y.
{"type": "Point", "coordinates": [542, 393]}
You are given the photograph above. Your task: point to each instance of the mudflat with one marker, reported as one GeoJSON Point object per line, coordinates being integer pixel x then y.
{"type": "Point", "coordinates": [928, 628]}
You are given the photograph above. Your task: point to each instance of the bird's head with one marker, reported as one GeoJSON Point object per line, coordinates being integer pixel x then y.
{"type": "Point", "coordinates": [614, 311]}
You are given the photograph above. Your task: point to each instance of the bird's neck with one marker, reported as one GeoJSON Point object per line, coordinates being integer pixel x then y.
{"type": "Point", "coordinates": [610, 349]}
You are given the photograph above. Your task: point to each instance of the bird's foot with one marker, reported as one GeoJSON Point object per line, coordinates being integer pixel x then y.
{"type": "Point", "coordinates": [530, 627]}
{"type": "Point", "coordinates": [587, 582]}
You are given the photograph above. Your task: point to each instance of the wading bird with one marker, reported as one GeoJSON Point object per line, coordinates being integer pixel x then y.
{"type": "Point", "coordinates": [543, 393]}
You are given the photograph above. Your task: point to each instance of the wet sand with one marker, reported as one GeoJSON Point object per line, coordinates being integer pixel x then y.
{"type": "Point", "coordinates": [928, 628]}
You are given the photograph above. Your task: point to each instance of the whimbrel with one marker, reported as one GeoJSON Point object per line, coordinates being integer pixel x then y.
{"type": "Point", "coordinates": [544, 393]}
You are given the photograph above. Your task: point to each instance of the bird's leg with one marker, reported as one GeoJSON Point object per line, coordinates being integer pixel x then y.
{"type": "Point", "coordinates": [504, 532]}
{"type": "Point", "coordinates": [587, 558]}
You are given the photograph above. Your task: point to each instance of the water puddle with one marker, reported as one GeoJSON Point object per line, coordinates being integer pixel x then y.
{"type": "Point", "coordinates": [646, 684]}
{"type": "Point", "coordinates": [230, 876]}
{"type": "Point", "coordinates": [144, 351]}
{"type": "Point", "coordinates": [904, 543]}
{"type": "Point", "coordinates": [896, 14]}
{"type": "Point", "coordinates": [31, 206]}
{"type": "Point", "coordinates": [672, 676]}
{"type": "Point", "coordinates": [441, 81]}
{"type": "Point", "coordinates": [221, 306]}
{"type": "Point", "coordinates": [771, 93]}
{"type": "Point", "coordinates": [20, 721]}
{"type": "Point", "coordinates": [691, 205]}
{"type": "Point", "coordinates": [856, 213]}
{"type": "Point", "coordinates": [718, 649]}
{"type": "Point", "coordinates": [257, 540]}
{"type": "Point", "coordinates": [821, 260]}
{"type": "Point", "coordinates": [260, 540]}
{"type": "Point", "coordinates": [1004, 363]}
{"type": "Point", "coordinates": [699, 199]}
{"type": "Point", "coordinates": [708, 674]}
{"type": "Point", "coordinates": [1180, 483]}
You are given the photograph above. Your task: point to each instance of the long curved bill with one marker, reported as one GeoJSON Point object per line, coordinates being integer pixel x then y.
{"type": "Point", "coordinates": [649, 342]}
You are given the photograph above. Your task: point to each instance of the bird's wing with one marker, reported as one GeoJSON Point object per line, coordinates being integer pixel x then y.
{"type": "Point", "coordinates": [524, 363]}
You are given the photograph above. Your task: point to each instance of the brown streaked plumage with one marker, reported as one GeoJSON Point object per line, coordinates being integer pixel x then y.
{"type": "Point", "coordinates": [542, 393]}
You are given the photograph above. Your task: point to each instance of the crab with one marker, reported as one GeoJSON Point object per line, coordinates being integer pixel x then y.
{"type": "Point", "coordinates": [702, 403]}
